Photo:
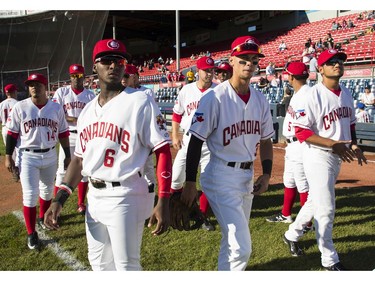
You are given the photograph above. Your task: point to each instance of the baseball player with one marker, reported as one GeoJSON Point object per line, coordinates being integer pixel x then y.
{"type": "Point", "coordinates": [223, 72]}
{"type": "Point", "coordinates": [131, 79]}
{"type": "Point", "coordinates": [116, 132]}
{"type": "Point", "coordinates": [294, 175]}
{"type": "Point", "coordinates": [39, 124]}
{"type": "Point", "coordinates": [362, 115]}
{"type": "Point", "coordinates": [325, 121]}
{"type": "Point", "coordinates": [5, 109]}
{"type": "Point", "coordinates": [73, 99]}
{"type": "Point", "coordinates": [183, 111]}
{"type": "Point", "coordinates": [235, 120]}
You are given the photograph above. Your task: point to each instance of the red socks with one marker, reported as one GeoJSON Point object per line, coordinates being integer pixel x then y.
{"type": "Point", "coordinates": [203, 204]}
{"type": "Point", "coordinates": [289, 197]}
{"type": "Point", "coordinates": [303, 198]}
{"type": "Point", "coordinates": [29, 213]}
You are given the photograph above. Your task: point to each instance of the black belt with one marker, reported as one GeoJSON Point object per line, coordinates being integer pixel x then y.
{"type": "Point", "coordinates": [291, 140]}
{"type": "Point", "coordinates": [73, 131]}
{"type": "Point", "coordinates": [242, 165]}
{"type": "Point", "coordinates": [39, 150]}
{"type": "Point", "coordinates": [102, 184]}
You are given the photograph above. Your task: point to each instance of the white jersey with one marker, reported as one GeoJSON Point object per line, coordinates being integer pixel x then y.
{"type": "Point", "coordinates": [37, 128]}
{"type": "Point", "coordinates": [327, 114]}
{"type": "Point", "coordinates": [362, 117]}
{"type": "Point", "coordinates": [231, 128]}
{"type": "Point", "coordinates": [5, 109]}
{"type": "Point", "coordinates": [148, 91]}
{"type": "Point", "coordinates": [187, 103]}
{"type": "Point", "coordinates": [115, 140]}
{"type": "Point", "coordinates": [295, 102]}
{"type": "Point", "coordinates": [72, 103]}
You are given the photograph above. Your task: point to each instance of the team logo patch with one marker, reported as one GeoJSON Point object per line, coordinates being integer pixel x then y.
{"type": "Point", "coordinates": [113, 45]}
{"type": "Point", "coordinates": [198, 117]}
{"type": "Point", "coordinates": [300, 113]}
{"type": "Point", "coordinates": [161, 122]}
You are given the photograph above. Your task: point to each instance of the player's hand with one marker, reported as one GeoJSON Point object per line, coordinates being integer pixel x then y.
{"type": "Point", "coordinates": [9, 163]}
{"type": "Point", "coordinates": [359, 154]}
{"type": "Point", "coordinates": [343, 151]}
{"type": "Point", "coordinates": [52, 215]}
{"type": "Point", "coordinates": [160, 216]}
{"type": "Point", "coordinates": [177, 143]}
{"type": "Point", "coordinates": [189, 193]}
{"type": "Point", "coordinates": [261, 184]}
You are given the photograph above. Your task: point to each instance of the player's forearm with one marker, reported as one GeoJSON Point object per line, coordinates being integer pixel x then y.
{"type": "Point", "coordinates": [164, 171]}
{"type": "Point", "coordinates": [11, 143]}
{"type": "Point", "coordinates": [192, 158]}
{"type": "Point", "coordinates": [266, 156]}
{"type": "Point", "coordinates": [65, 144]}
{"type": "Point", "coordinates": [320, 141]}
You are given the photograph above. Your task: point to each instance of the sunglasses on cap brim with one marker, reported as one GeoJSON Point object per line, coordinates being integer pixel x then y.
{"type": "Point", "coordinates": [247, 46]}
{"type": "Point", "coordinates": [78, 75]}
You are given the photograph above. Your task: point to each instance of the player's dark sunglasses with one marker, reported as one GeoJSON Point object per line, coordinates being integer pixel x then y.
{"type": "Point", "coordinates": [108, 60]}
{"type": "Point", "coordinates": [334, 61]}
{"type": "Point", "coordinates": [79, 75]}
{"type": "Point", "coordinates": [247, 46]}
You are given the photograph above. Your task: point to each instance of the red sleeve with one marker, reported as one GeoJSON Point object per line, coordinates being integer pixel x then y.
{"type": "Point", "coordinates": [64, 135]}
{"type": "Point", "coordinates": [164, 170]}
{"type": "Point", "coordinates": [176, 117]}
{"type": "Point", "coordinates": [303, 134]}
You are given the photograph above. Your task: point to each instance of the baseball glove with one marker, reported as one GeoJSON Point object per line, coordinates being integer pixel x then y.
{"type": "Point", "coordinates": [184, 217]}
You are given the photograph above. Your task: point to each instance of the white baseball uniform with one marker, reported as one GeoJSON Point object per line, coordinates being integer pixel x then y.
{"type": "Point", "coordinates": [329, 116]}
{"type": "Point", "coordinates": [149, 169]}
{"type": "Point", "coordinates": [114, 142]}
{"type": "Point", "coordinates": [232, 130]}
{"type": "Point", "coordinates": [294, 175]}
{"type": "Point", "coordinates": [5, 109]}
{"type": "Point", "coordinates": [73, 105]}
{"type": "Point", "coordinates": [38, 129]}
{"type": "Point", "coordinates": [186, 104]}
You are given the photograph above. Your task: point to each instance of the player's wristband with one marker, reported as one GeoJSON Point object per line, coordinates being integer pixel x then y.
{"type": "Point", "coordinates": [61, 196]}
{"type": "Point", "coordinates": [267, 167]}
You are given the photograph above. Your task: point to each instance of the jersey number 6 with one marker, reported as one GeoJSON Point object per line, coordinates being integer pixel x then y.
{"type": "Point", "coordinates": [108, 158]}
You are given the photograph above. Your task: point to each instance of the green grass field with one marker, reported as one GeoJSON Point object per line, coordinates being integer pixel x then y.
{"type": "Point", "coordinates": [354, 237]}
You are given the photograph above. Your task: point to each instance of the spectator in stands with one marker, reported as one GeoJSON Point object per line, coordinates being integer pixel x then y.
{"type": "Point", "coordinates": [368, 98]}
{"type": "Point", "coordinates": [262, 83]}
{"type": "Point", "coordinates": [288, 62]}
{"type": "Point", "coordinates": [334, 26]}
{"type": "Point", "coordinates": [350, 23]}
{"type": "Point", "coordinates": [167, 62]}
{"type": "Point", "coordinates": [160, 60]}
{"type": "Point", "coordinates": [208, 54]}
{"type": "Point", "coordinates": [305, 56]}
{"type": "Point", "coordinates": [192, 57]}
{"type": "Point", "coordinates": [141, 69]}
{"type": "Point", "coordinates": [270, 69]}
{"type": "Point", "coordinates": [362, 115]}
{"type": "Point", "coordinates": [171, 61]}
{"type": "Point", "coordinates": [282, 46]}
{"type": "Point", "coordinates": [330, 41]}
{"type": "Point", "coordinates": [360, 16]}
{"type": "Point", "coordinates": [180, 77]}
{"type": "Point", "coordinates": [319, 44]}
{"type": "Point", "coordinates": [190, 76]}
{"type": "Point", "coordinates": [344, 24]}
{"type": "Point", "coordinates": [308, 42]}
{"type": "Point", "coordinates": [286, 99]}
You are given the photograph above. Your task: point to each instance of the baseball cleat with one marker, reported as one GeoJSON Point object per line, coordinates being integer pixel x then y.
{"type": "Point", "coordinates": [33, 241]}
{"type": "Point", "coordinates": [308, 228]}
{"type": "Point", "coordinates": [336, 267]}
{"type": "Point", "coordinates": [41, 224]}
{"type": "Point", "coordinates": [294, 249]}
{"type": "Point", "coordinates": [280, 218]}
{"type": "Point", "coordinates": [81, 209]}
{"type": "Point", "coordinates": [207, 226]}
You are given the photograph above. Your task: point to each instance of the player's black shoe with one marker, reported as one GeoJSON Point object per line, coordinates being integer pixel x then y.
{"type": "Point", "coordinates": [336, 267]}
{"type": "Point", "coordinates": [294, 249]}
{"type": "Point", "coordinates": [41, 224]}
{"type": "Point", "coordinates": [207, 225]}
{"type": "Point", "coordinates": [33, 241]}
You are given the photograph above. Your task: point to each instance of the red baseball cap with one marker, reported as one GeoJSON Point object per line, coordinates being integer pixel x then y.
{"type": "Point", "coordinates": [76, 69]}
{"type": "Point", "coordinates": [107, 47]}
{"type": "Point", "coordinates": [36, 77]}
{"type": "Point", "coordinates": [330, 53]}
{"type": "Point", "coordinates": [297, 68]}
{"type": "Point", "coordinates": [10, 88]}
{"type": "Point", "coordinates": [205, 63]}
{"type": "Point", "coordinates": [131, 69]}
{"type": "Point", "coordinates": [225, 66]}
{"type": "Point", "coordinates": [246, 45]}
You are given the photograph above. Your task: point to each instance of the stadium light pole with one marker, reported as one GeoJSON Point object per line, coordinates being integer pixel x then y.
{"type": "Point", "coordinates": [177, 40]}
{"type": "Point", "coordinates": [82, 51]}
